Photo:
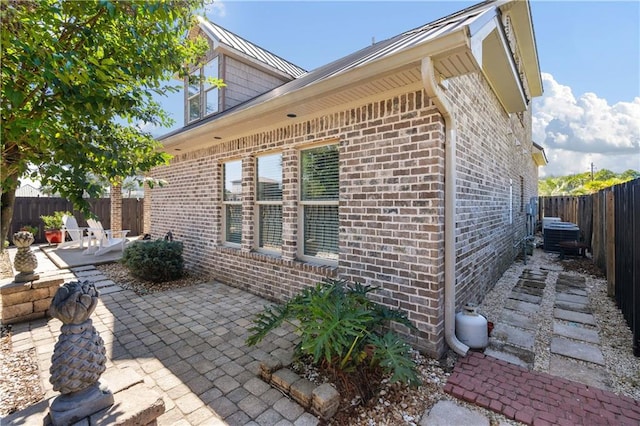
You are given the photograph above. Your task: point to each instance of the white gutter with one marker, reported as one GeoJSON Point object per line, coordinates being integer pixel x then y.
{"type": "Point", "coordinates": [435, 94]}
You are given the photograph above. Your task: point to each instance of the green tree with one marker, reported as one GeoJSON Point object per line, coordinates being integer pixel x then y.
{"type": "Point", "coordinates": [78, 78]}
{"type": "Point", "coordinates": [581, 183]}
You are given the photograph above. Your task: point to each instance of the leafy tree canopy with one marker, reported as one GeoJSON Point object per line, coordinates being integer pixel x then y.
{"type": "Point", "coordinates": [78, 78]}
{"type": "Point", "coordinates": [583, 183]}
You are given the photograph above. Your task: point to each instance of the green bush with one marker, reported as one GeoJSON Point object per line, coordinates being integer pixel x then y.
{"type": "Point", "coordinates": [155, 261]}
{"type": "Point", "coordinates": [340, 327]}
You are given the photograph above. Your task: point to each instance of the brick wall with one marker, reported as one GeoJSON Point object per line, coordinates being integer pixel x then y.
{"type": "Point", "coordinates": [493, 153]}
{"type": "Point", "coordinates": [391, 203]}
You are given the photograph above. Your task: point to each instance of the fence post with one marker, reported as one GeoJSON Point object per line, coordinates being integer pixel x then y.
{"type": "Point", "coordinates": [116, 207]}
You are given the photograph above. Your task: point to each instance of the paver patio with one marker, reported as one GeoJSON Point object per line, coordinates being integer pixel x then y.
{"type": "Point", "coordinates": [192, 353]}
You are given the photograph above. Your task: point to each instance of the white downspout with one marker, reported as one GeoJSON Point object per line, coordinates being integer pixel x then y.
{"type": "Point", "coordinates": [434, 93]}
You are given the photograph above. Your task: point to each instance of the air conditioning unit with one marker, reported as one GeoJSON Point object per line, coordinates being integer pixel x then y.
{"type": "Point", "coordinates": [556, 232]}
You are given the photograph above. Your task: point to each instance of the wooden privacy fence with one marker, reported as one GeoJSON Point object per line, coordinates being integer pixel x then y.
{"type": "Point", "coordinates": [27, 211]}
{"type": "Point", "coordinates": [609, 222]}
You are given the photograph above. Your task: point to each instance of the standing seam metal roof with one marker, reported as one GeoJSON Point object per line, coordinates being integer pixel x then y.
{"type": "Point", "coordinates": [251, 49]}
{"type": "Point", "coordinates": [366, 55]}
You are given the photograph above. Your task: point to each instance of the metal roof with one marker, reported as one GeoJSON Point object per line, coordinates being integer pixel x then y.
{"type": "Point", "coordinates": [230, 39]}
{"type": "Point", "coordinates": [369, 54]}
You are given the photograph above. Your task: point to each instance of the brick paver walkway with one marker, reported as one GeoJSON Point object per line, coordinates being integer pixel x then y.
{"type": "Point", "coordinates": [537, 399]}
{"type": "Point", "coordinates": [189, 345]}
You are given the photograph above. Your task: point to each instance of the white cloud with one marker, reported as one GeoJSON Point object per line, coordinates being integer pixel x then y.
{"type": "Point", "coordinates": [576, 132]}
{"type": "Point", "coordinates": [215, 8]}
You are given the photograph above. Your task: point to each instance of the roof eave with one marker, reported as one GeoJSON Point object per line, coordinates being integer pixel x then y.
{"type": "Point", "coordinates": [491, 50]}
{"type": "Point", "coordinates": [452, 42]}
{"type": "Point", "coordinates": [522, 23]}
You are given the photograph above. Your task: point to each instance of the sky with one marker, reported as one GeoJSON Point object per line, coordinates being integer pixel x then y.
{"type": "Point", "coordinates": [589, 55]}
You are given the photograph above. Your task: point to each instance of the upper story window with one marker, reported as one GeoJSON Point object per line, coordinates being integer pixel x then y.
{"type": "Point", "coordinates": [269, 202]}
{"type": "Point", "coordinates": [319, 199]}
{"type": "Point", "coordinates": [202, 93]}
{"type": "Point", "coordinates": [232, 202]}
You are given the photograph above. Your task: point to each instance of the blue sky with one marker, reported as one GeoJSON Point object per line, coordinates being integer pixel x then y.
{"type": "Point", "coordinates": [589, 55]}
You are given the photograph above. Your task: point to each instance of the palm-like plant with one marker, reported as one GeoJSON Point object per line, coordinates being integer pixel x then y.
{"type": "Point", "coordinates": [340, 327]}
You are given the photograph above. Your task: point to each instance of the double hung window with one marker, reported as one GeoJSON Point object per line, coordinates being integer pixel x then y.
{"type": "Point", "coordinates": [232, 201]}
{"type": "Point", "coordinates": [269, 202]}
{"type": "Point", "coordinates": [319, 196]}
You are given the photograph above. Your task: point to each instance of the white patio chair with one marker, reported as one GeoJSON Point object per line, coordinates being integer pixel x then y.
{"type": "Point", "coordinates": [70, 227]}
{"type": "Point", "coordinates": [104, 239]}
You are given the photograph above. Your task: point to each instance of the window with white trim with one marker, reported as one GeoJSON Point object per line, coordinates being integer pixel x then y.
{"type": "Point", "coordinates": [319, 196]}
{"type": "Point", "coordinates": [269, 202]}
{"type": "Point", "coordinates": [202, 94]}
{"type": "Point", "coordinates": [232, 201]}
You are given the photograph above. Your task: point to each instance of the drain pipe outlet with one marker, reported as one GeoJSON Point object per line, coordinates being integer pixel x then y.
{"type": "Point", "coordinates": [435, 94]}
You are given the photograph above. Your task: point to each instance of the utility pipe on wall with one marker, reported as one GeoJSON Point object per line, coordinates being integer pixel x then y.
{"type": "Point", "coordinates": [435, 94]}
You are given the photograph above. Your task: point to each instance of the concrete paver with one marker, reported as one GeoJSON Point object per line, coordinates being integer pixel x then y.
{"type": "Point", "coordinates": [574, 316]}
{"type": "Point", "coordinates": [578, 350]}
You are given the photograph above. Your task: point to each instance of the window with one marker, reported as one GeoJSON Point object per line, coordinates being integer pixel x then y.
{"type": "Point", "coordinates": [269, 202]}
{"type": "Point", "coordinates": [201, 94]}
{"type": "Point", "coordinates": [232, 201]}
{"type": "Point", "coordinates": [319, 194]}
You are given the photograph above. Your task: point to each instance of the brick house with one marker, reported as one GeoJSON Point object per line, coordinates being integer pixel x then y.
{"type": "Point", "coordinates": [406, 165]}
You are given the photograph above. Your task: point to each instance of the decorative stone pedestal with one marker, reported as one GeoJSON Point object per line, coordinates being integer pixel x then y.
{"type": "Point", "coordinates": [135, 404]}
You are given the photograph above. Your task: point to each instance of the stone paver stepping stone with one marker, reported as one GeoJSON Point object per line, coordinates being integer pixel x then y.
{"type": "Point", "coordinates": [514, 336]}
{"type": "Point", "coordinates": [517, 319]}
{"type": "Point", "coordinates": [518, 305]}
{"type": "Point", "coordinates": [573, 298]}
{"type": "Point", "coordinates": [576, 307]}
{"type": "Point", "coordinates": [505, 356]}
{"type": "Point", "coordinates": [574, 316]}
{"type": "Point", "coordinates": [525, 297]}
{"type": "Point", "coordinates": [590, 375]}
{"type": "Point", "coordinates": [576, 332]}
{"type": "Point", "coordinates": [582, 351]}
{"type": "Point", "coordinates": [446, 413]}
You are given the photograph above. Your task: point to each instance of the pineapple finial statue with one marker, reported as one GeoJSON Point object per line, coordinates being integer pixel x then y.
{"type": "Point", "coordinates": [25, 261]}
{"type": "Point", "coordinates": [78, 358]}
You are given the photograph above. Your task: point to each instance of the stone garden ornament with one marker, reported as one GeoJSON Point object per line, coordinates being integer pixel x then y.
{"type": "Point", "coordinates": [25, 261]}
{"type": "Point", "coordinates": [78, 358]}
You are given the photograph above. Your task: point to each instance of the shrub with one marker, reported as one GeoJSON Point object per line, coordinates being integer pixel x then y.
{"type": "Point", "coordinates": [340, 327]}
{"type": "Point", "coordinates": [155, 261]}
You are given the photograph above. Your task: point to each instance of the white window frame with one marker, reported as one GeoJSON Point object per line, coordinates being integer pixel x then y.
{"type": "Point", "coordinates": [204, 90]}
{"type": "Point", "coordinates": [301, 205]}
{"type": "Point", "coordinates": [259, 203]}
{"type": "Point", "coordinates": [225, 203]}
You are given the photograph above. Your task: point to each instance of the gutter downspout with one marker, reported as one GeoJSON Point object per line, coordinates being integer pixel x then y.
{"type": "Point", "coordinates": [435, 94]}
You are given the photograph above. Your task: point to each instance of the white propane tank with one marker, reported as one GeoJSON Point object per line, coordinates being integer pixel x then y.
{"type": "Point", "coordinates": [471, 327]}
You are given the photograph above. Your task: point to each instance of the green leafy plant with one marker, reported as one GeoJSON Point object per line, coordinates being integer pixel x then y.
{"type": "Point", "coordinates": [54, 221]}
{"type": "Point", "coordinates": [30, 228]}
{"type": "Point", "coordinates": [155, 261]}
{"type": "Point", "coordinates": [340, 327]}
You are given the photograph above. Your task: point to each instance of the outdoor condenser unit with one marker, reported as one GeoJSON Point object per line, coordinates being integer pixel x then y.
{"type": "Point", "coordinates": [555, 232]}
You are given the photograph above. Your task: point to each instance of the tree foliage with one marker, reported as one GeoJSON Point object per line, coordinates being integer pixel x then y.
{"type": "Point", "coordinates": [583, 183]}
{"type": "Point", "coordinates": [78, 80]}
